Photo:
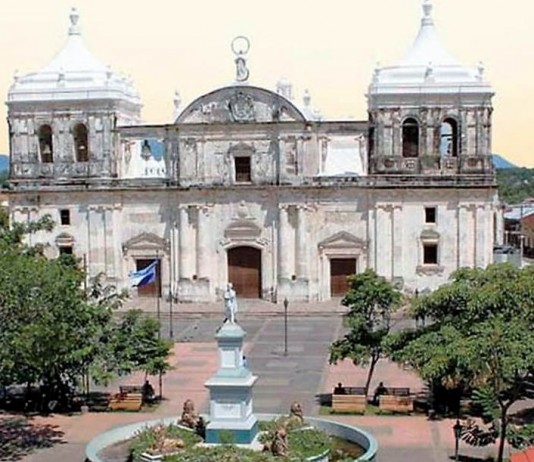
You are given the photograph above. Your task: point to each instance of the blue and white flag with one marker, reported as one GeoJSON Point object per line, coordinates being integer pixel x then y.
{"type": "Point", "coordinates": [145, 276]}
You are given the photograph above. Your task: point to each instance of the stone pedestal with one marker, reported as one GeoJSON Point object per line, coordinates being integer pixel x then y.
{"type": "Point", "coordinates": [231, 392]}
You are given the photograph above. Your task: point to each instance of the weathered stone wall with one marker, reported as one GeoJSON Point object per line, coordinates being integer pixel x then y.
{"type": "Point", "coordinates": [297, 230]}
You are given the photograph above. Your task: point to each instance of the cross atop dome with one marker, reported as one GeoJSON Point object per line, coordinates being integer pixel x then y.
{"type": "Point", "coordinates": [74, 17]}
{"type": "Point", "coordinates": [427, 13]}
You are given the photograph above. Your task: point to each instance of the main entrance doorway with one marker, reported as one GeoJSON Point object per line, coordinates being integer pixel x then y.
{"type": "Point", "coordinates": [244, 271]}
{"type": "Point", "coordinates": [154, 288]}
{"type": "Point", "coordinates": [340, 269]}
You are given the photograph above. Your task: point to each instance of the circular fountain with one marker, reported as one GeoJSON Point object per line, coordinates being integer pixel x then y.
{"type": "Point", "coordinates": [231, 420]}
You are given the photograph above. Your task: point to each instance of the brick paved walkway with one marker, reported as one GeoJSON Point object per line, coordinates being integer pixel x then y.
{"type": "Point", "coordinates": [302, 375]}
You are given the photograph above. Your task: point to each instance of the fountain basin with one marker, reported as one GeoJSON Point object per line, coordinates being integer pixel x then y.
{"type": "Point", "coordinates": [343, 431]}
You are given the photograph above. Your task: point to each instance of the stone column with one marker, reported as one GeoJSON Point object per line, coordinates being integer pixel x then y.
{"type": "Point", "coordinates": [466, 242]}
{"type": "Point", "coordinates": [109, 260]}
{"type": "Point", "coordinates": [383, 240]}
{"type": "Point", "coordinates": [183, 242]}
{"type": "Point", "coordinates": [302, 244]}
{"type": "Point", "coordinates": [203, 243]}
{"type": "Point", "coordinates": [284, 254]}
{"type": "Point", "coordinates": [499, 226]}
{"type": "Point", "coordinates": [173, 249]}
{"type": "Point", "coordinates": [480, 236]}
{"type": "Point", "coordinates": [396, 238]}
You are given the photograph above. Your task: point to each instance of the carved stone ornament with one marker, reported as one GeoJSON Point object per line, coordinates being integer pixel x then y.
{"type": "Point", "coordinates": [429, 270]}
{"type": "Point", "coordinates": [429, 235]}
{"type": "Point", "coordinates": [64, 240]}
{"type": "Point", "coordinates": [242, 230]}
{"type": "Point", "coordinates": [343, 240]}
{"type": "Point", "coordinates": [145, 242]}
{"type": "Point", "coordinates": [241, 107]}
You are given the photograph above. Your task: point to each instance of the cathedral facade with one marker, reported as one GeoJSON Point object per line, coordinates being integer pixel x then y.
{"type": "Point", "coordinates": [247, 186]}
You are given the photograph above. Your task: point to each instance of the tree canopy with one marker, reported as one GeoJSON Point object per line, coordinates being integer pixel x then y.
{"type": "Point", "coordinates": [371, 301]}
{"type": "Point", "coordinates": [481, 338]}
{"type": "Point", "coordinates": [515, 184]}
{"type": "Point", "coordinates": [54, 331]}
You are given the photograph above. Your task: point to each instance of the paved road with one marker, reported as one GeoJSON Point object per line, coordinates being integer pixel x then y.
{"type": "Point", "coordinates": [282, 379]}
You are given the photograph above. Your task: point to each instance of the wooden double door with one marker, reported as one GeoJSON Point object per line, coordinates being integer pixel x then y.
{"type": "Point", "coordinates": [340, 270]}
{"type": "Point", "coordinates": [244, 271]}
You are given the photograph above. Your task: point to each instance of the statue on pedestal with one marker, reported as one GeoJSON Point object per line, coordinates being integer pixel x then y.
{"type": "Point", "coordinates": [230, 304]}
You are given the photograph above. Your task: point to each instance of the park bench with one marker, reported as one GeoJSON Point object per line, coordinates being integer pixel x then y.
{"type": "Point", "coordinates": [131, 389]}
{"type": "Point", "coordinates": [396, 400]}
{"type": "Point", "coordinates": [349, 399]}
{"type": "Point", "coordinates": [126, 402]}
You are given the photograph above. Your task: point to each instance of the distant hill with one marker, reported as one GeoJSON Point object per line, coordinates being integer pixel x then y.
{"type": "Point", "coordinates": [4, 163]}
{"type": "Point", "coordinates": [500, 162]}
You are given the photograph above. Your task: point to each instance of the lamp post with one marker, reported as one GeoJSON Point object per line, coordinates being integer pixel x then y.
{"type": "Point", "coordinates": [457, 429]}
{"type": "Point", "coordinates": [158, 315]}
{"type": "Point", "coordinates": [286, 303]}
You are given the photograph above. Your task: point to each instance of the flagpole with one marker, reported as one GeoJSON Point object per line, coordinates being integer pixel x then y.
{"type": "Point", "coordinates": [158, 314]}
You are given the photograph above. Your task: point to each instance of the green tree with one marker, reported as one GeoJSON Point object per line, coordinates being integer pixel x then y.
{"type": "Point", "coordinates": [49, 326]}
{"type": "Point", "coordinates": [134, 345]}
{"type": "Point", "coordinates": [515, 184]}
{"type": "Point", "coordinates": [54, 331]}
{"type": "Point", "coordinates": [371, 300]}
{"type": "Point", "coordinates": [4, 180]}
{"type": "Point", "coordinates": [481, 339]}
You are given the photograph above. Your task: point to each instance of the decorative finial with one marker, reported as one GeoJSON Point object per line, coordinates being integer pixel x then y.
{"type": "Point", "coordinates": [74, 16]}
{"type": "Point", "coordinates": [376, 72]}
{"type": "Point", "coordinates": [177, 102]}
{"type": "Point", "coordinates": [429, 72]}
{"type": "Point", "coordinates": [240, 47]}
{"type": "Point", "coordinates": [285, 88]}
{"type": "Point", "coordinates": [16, 76]}
{"type": "Point", "coordinates": [61, 77]}
{"type": "Point", "coordinates": [481, 69]}
{"type": "Point", "coordinates": [177, 99]}
{"type": "Point", "coordinates": [306, 99]}
{"type": "Point", "coordinates": [427, 13]}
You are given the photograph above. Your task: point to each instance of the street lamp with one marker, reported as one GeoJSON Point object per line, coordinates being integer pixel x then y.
{"type": "Point", "coordinates": [457, 429]}
{"type": "Point", "coordinates": [286, 303]}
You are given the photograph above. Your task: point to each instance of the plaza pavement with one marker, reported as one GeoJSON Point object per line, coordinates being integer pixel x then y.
{"type": "Point", "coordinates": [302, 375]}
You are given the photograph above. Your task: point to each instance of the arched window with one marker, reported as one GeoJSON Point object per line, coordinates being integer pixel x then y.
{"type": "Point", "coordinates": [81, 145]}
{"type": "Point", "coordinates": [448, 138]}
{"type": "Point", "coordinates": [410, 138]}
{"type": "Point", "coordinates": [46, 147]}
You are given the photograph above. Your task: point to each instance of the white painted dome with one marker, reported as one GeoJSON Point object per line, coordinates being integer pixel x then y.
{"type": "Point", "coordinates": [428, 67]}
{"type": "Point", "coordinates": [73, 74]}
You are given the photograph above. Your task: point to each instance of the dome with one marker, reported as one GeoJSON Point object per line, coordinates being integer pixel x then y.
{"type": "Point", "coordinates": [428, 67]}
{"type": "Point", "coordinates": [73, 74]}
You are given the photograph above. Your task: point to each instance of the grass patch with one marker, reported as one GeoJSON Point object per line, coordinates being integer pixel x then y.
{"type": "Point", "coordinates": [148, 437]}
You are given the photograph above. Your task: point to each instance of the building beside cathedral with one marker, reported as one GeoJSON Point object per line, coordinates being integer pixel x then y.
{"type": "Point", "coordinates": [247, 185]}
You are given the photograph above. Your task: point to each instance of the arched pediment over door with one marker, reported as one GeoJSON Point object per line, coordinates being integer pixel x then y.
{"type": "Point", "coordinates": [146, 243]}
{"type": "Point", "coordinates": [342, 242]}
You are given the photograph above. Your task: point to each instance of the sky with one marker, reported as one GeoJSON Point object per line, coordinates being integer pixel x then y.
{"type": "Point", "coordinates": [329, 47]}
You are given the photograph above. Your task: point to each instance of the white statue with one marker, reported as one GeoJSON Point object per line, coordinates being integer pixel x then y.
{"type": "Point", "coordinates": [230, 303]}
